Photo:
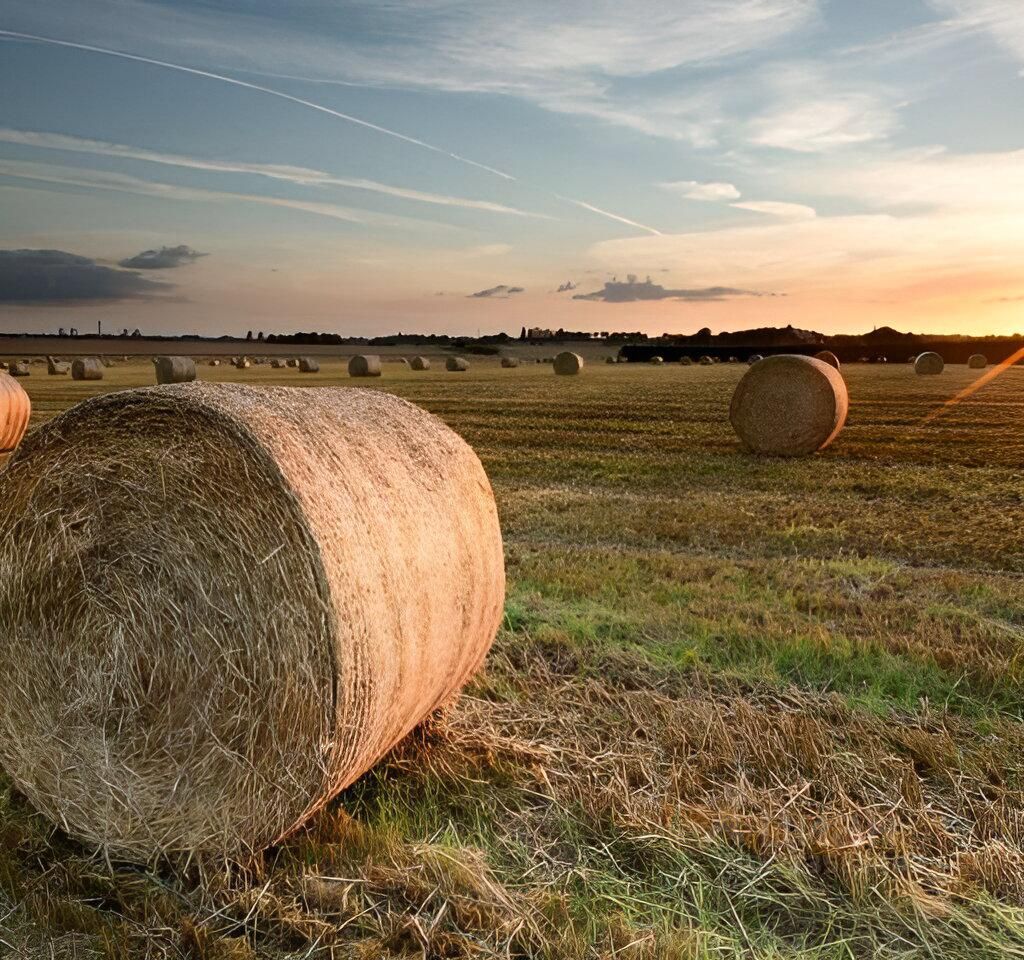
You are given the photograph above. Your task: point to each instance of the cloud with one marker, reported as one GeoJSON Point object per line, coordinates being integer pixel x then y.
{"type": "Point", "coordinates": [776, 208]}
{"type": "Point", "coordinates": [162, 259]}
{"type": "Point", "coordinates": [501, 292]}
{"type": "Point", "coordinates": [566, 287]}
{"type": "Point", "coordinates": [303, 176]}
{"type": "Point", "coordinates": [1000, 19]}
{"type": "Point", "coordinates": [633, 290]}
{"type": "Point", "coordinates": [695, 190]}
{"type": "Point", "coordinates": [54, 276]}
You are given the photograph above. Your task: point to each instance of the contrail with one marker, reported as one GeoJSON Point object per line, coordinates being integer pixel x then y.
{"type": "Point", "coordinates": [986, 377]}
{"type": "Point", "coordinates": [194, 71]}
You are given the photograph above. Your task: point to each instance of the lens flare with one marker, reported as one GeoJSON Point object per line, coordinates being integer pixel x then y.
{"type": "Point", "coordinates": [986, 377]}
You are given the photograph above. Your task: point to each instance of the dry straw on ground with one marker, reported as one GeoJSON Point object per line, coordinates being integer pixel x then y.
{"type": "Point", "coordinates": [827, 356]}
{"type": "Point", "coordinates": [789, 406]}
{"type": "Point", "coordinates": [929, 363]}
{"type": "Point", "coordinates": [420, 363]}
{"type": "Point", "coordinates": [456, 364]}
{"type": "Point", "coordinates": [977, 361]}
{"type": "Point", "coordinates": [364, 366]}
{"type": "Point", "coordinates": [175, 369]}
{"type": "Point", "coordinates": [86, 368]}
{"type": "Point", "coordinates": [308, 365]}
{"type": "Point", "coordinates": [15, 410]}
{"type": "Point", "coordinates": [510, 362]}
{"type": "Point", "coordinates": [168, 688]}
{"type": "Point", "coordinates": [568, 364]}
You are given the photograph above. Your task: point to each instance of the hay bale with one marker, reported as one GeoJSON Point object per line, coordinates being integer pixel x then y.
{"type": "Point", "coordinates": [87, 368]}
{"type": "Point", "coordinates": [827, 356]}
{"type": "Point", "coordinates": [929, 363]}
{"type": "Point", "coordinates": [20, 369]}
{"type": "Point", "coordinates": [456, 364]}
{"type": "Point", "coordinates": [789, 406]}
{"type": "Point", "coordinates": [609, 359]}
{"type": "Point", "coordinates": [754, 358]}
{"type": "Point", "coordinates": [686, 361]}
{"type": "Point", "coordinates": [402, 361]}
{"type": "Point", "coordinates": [623, 359]}
{"type": "Point", "coordinates": [308, 365]}
{"type": "Point", "coordinates": [15, 410]}
{"type": "Point", "coordinates": [175, 369]}
{"type": "Point", "coordinates": [705, 361]}
{"type": "Point", "coordinates": [568, 364]}
{"type": "Point", "coordinates": [242, 363]}
{"type": "Point", "coordinates": [57, 368]}
{"type": "Point", "coordinates": [977, 361]}
{"type": "Point", "coordinates": [292, 362]}
{"type": "Point", "coordinates": [656, 360]}
{"type": "Point", "coordinates": [209, 692]}
{"type": "Point", "coordinates": [510, 363]}
{"type": "Point", "coordinates": [107, 362]}
{"type": "Point", "coordinates": [364, 366]}
{"type": "Point", "coordinates": [277, 363]}
{"type": "Point", "coordinates": [214, 363]}
{"type": "Point", "coordinates": [3, 364]}
{"type": "Point", "coordinates": [734, 360]}
{"type": "Point", "coordinates": [420, 363]}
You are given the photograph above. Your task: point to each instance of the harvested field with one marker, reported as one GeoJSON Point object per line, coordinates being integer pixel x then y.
{"type": "Point", "coordinates": [737, 708]}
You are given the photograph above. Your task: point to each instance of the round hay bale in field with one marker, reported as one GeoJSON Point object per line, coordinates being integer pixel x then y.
{"type": "Point", "coordinates": [214, 363]}
{"type": "Point", "coordinates": [977, 361]}
{"type": "Point", "coordinates": [19, 369]}
{"type": "Point", "coordinates": [242, 363]}
{"type": "Point", "coordinates": [623, 359]}
{"type": "Point", "coordinates": [686, 361]}
{"type": "Point", "coordinates": [789, 406]}
{"type": "Point", "coordinates": [15, 410]}
{"type": "Point", "coordinates": [568, 364]}
{"type": "Point", "coordinates": [827, 356]}
{"type": "Point", "coordinates": [277, 363]}
{"type": "Point", "coordinates": [420, 363]}
{"type": "Point", "coordinates": [57, 368]}
{"type": "Point", "coordinates": [733, 360]}
{"type": "Point", "coordinates": [107, 362]}
{"type": "Point", "coordinates": [87, 368]}
{"type": "Point", "coordinates": [456, 364]}
{"type": "Point", "coordinates": [308, 365]}
{"type": "Point", "coordinates": [175, 369]}
{"type": "Point", "coordinates": [292, 362]}
{"type": "Point", "coordinates": [170, 689]}
{"type": "Point", "coordinates": [402, 361]}
{"type": "Point", "coordinates": [609, 359]}
{"type": "Point", "coordinates": [510, 363]}
{"type": "Point", "coordinates": [705, 361]}
{"type": "Point", "coordinates": [656, 360]}
{"type": "Point", "coordinates": [754, 358]}
{"type": "Point", "coordinates": [364, 366]}
{"type": "Point", "coordinates": [929, 363]}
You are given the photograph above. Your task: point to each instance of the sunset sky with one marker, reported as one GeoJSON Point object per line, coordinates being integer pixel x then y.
{"type": "Point", "coordinates": [449, 165]}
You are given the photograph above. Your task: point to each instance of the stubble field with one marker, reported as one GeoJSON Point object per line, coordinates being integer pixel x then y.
{"type": "Point", "coordinates": [737, 708]}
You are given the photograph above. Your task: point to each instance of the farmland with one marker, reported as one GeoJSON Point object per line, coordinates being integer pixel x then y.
{"type": "Point", "coordinates": [737, 708]}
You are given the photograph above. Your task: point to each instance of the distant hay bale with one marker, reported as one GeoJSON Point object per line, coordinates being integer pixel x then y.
{"type": "Point", "coordinates": [107, 362]}
{"type": "Point", "coordinates": [456, 364]}
{"type": "Point", "coordinates": [929, 363]}
{"type": "Point", "coordinates": [3, 364]}
{"type": "Point", "coordinates": [827, 356]}
{"type": "Point", "coordinates": [15, 411]}
{"type": "Point", "coordinates": [686, 361]}
{"type": "Point", "coordinates": [754, 358]}
{"type": "Point", "coordinates": [57, 368]}
{"type": "Point", "coordinates": [510, 363]}
{"type": "Point", "coordinates": [362, 365]}
{"type": "Point", "coordinates": [568, 364]}
{"type": "Point", "coordinates": [19, 369]}
{"type": "Point", "coordinates": [310, 365]}
{"type": "Point", "coordinates": [609, 359]}
{"type": "Point", "coordinates": [716, 359]}
{"type": "Point", "coordinates": [175, 369]}
{"type": "Point", "coordinates": [734, 360]}
{"type": "Point", "coordinates": [789, 406]}
{"type": "Point", "coordinates": [292, 362]}
{"type": "Point", "coordinates": [420, 363]}
{"type": "Point", "coordinates": [656, 360]}
{"type": "Point", "coordinates": [242, 363]}
{"type": "Point", "coordinates": [402, 361]}
{"type": "Point", "coordinates": [214, 363]}
{"type": "Point", "coordinates": [977, 361]}
{"type": "Point", "coordinates": [169, 689]}
{"type": "Point", "coordinates": [87, 368]}
{"type": "Point", "coordinates": [705, 361]}
{"type": "Point", "coordinates": [623, 359]}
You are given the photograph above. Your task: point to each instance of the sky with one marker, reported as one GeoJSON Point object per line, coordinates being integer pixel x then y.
{"type": "Point", "coordinates": [465, 166]}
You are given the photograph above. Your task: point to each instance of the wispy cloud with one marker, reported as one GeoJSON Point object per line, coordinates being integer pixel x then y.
{"type": "Point", "coordinates": [777, 208]}
{"type": "Point", "coordinates": [695, 190]}
{"type": "Point", "coordinates": [501, 292]}
{"type": "Point", "coordinates": [633, 290]}
{"type": "Point", "coordinates": [1002, 20]}
{"type": "Point", "coordinates": [166, 258]}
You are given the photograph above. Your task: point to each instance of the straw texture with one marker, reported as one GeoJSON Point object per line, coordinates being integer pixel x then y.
{"type": "Point", "coordinates": [15, 410]}
{"type": "Point", "coordinates": [929, 363]}
{"type": "Point", "coordinates": [568, 364]}
{"type": "Point", "coordinates": [87, 368]}
{"type": "Point", "coordinates": [789, 406]}
{"type": "Point", "coordinates": [175, 369]}
{"type": "Point", "coordinates": [364, 366]}
{"type": "Point", "coordinates": [170, 688]}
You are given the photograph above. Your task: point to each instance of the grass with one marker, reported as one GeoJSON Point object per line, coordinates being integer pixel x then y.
{"type": "Point", "coordinates": [738, 707]}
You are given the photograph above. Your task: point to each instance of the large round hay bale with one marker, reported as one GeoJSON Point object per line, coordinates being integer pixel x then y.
{"type": "Point", "coordinates": [420, 363]}
{"type": "Point", "coordinates": [308, 365]}
{"type": "Point", "coordinates": [929, 363]}
{"type": "Point", "coordinates": [789, 406]}
{"type": "Point", "coordinates": [175, 369]}
{"type": "Point", "coordinates": [87, 368]}
{"type": "Point", "coordinates": [19, 368]}
{"type": "Point", "coordinates": [656, 360]}
{"type": "Point", "coordinates": [15, 410]}
{"type": "Point", "coordinates": [977, 361]}
{"type": "Point", "coordinates": [510, 363]}
{"type": "Point", "coordinates": [364, 366]}
{"type": "Point", "coordinates": [57, 368]}
{"type": "Point", "coordinates": [568, 364]}
{"type": "Point", "coordinates": [456, 364]}
{"type": "Point", "coordinates": [167, 688]}
{"type": "Point", "coordinates": [827, 356]}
